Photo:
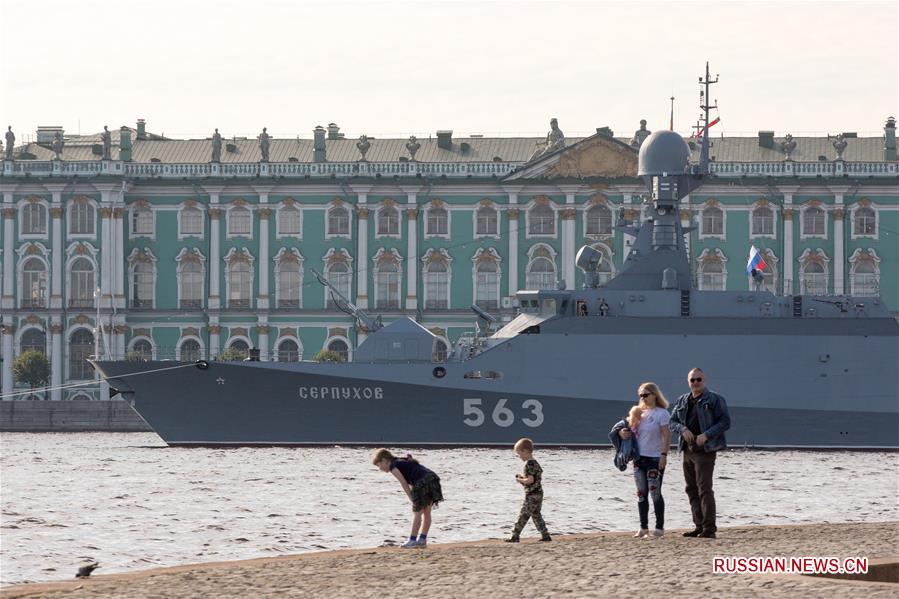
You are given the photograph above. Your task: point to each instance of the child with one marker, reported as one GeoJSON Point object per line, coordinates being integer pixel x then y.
{"type": "Point", "coordinates": [533, 492]}
{"type": "Point", "coordinates": [422, 487]}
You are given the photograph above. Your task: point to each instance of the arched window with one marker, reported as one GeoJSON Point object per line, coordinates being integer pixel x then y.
{"type": "Point", "coordinates": [340, 347]}
{"type": "Point", "coordinates": [712, 221]}
{"type": "Point", "coordinates": [599, 220]}
{"type": "Point", "coordinates": [864, 221]}
{"type": "Point", "coordinates": [387, 284]}
{"type": "Point", "coordinates": [81, 346]}
{"type": "Point", "coordinates": [33, 339]}
{"type": "Point", "coordinates": [142, 284]}
{"type": "Point", "coordinates": [190, 221]}
{"type": "Point", "coordinates": [814, 278]}
{"type": "Point", "coordinates": [240, 221]}
{"type": "Point", "coordinates": [813, 221]}
{"type": "Point", "coordinates": [289, 222]}
{"type": "Point", "coordinates": [711, 276]}
{"type": "Point", "coordinates": [191, 283]}
{"type": "Point", "coordinates": [338, 273]}
{"type": "Point", "coordinates": [388, 221]}
{"type": "Point", "coordinates": [240, 283]}
{"type": "Point", "coordinates": [338, 221]}
{"type": "Point", "coordinates": [81, 218]}
{"type": "Point", "coordinates": [142, 221]}
{"type": "Point", "coordinates": [436, 280]}
{"type": "Point", "coordinates": [34, 284]}
{"type": "Point", "coordinates": [240, 350]}
{"type": "Point", "coordinates": [864, 278]}
{"type": "Point", "coordinates": [441, 351]}
{"type": "Point", "coordinates": [487, 284]}
{"type": "Point", "coordinates": [541, 274]}
{"type": "Point", "coordinates": [81, 290]}
{"type": "Point", "coordinates": [288, 351]}
{"type": "Point", "coordinates": [142, 350]}
{"type": "Point", "coordinates": [487, 221]}
{"type": "Point", "coordinates": [34, 219]}
{"type": "Point", "coordinates": [541, 220]}
{"type": "Point", "coordinates": [190, 350]}
{"type": "Point", "coordinates": [288, 280]}
{"type": "Point", "coordinates": [438, 222]}
{"type": "Point", "coordinates": [763, 221]}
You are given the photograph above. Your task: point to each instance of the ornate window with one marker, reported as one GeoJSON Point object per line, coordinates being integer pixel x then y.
{"type": "Point", "coordinates": [189, 350]}
{"type": "Point", "coordinates": [34, 219]}
{"type": "Point", "coordinates": [388, 220]}
{"type": "Point", "coordinates": [814, 272]}
{"type": "Point", "coordinates": [81, 283]}
{"type": "Point", "coordinates": [142, 270]}
{"type": "Point", "coordinates": [341, 348]}
{"type": "Point", "coordinates": [486, 221]}
{"type": "Point", "coordinates": [240, 221]}
{"type": "Point", "coordinates": [239, 278]}
{"type": "Point", "coordinates": [487, 276]}
{"type": "Point", "coordinates": [289, 351]}
{"type": "Point", "coordinates": [289, 221]}
{"type": "Point", "coordinates": [712, 223]}
{"type": "Point", "coordinates": [191, 276]}
{"type": "Point", "coordinates": [388, 279]}
{"type": "Point", "coordinates": [769, 274]}
{"type": "Point", "coordinates": [864, 221]}
{"type": "Point", "coordinates": [141, 349]}
{"type": "Point", "coordinates": [81, 346]}
{"type": "Point", "coordinates": [339, 273]}
{"type": "Point", "coordinates": [239, 348]}
{"type": "Point", "coordinates": [190, 221]}
{"type": "Point", "coordinates": [813, 222]}
{"type": "Point", "coordinates": [763, 221]}
{"type": "Point", "coordinates": [541, 268]}
{"type": "Point", "coordinates": [82, 220]}
{"type": "Point", "coordinates": [541, 220]}
{"type": "Point", "coordinates": [33, 339]}
{"type": "Point", "coordinates": [437, 221]}
{"type": "Point", "coordinates": [436, 275]}
{"type": "Point", "coordinates": [864, 274]}
{"type": "Point", "coordinates": [339, 221]}
{"type": "Point", "coordinates": [142, 219]}
{"type": "Point", "coordinates": [34, 283]}
{"type": "Point", "coordinates": [598, 220]}
{"type": "Point", "coordinates": [289, 278]}
{"type": "Point", "coordinates": [712, 270]}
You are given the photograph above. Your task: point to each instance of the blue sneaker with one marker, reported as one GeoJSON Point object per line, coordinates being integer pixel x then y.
{"type": "Point", "coordinates": [410, 544]}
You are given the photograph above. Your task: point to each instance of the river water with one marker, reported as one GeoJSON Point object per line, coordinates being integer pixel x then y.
{"type": "Point", "coordinates": [130, 502]}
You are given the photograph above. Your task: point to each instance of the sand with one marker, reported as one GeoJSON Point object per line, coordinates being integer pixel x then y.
{"type": "Point", "coordinates": [595, 565]}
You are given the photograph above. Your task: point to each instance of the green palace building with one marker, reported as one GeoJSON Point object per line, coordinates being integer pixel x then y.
{"type": "Point", "coordinates": [138, 245]}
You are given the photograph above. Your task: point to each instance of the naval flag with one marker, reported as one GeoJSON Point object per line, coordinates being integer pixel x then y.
{"type": "Point", "coordinates": [756, 262]}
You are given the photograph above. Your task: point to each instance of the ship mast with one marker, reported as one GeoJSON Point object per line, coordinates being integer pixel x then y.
{"type": "Point", "coordinates": [704, 130]}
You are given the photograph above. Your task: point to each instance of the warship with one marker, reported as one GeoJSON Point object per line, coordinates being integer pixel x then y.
{"type": "Point", "coordinates": [797, 371]}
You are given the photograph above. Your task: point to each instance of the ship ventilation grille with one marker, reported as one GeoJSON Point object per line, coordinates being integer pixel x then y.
{"type": "Point", "coordinates": [685, 302]}
{"type": "Point", "coordinates": [797, 306]}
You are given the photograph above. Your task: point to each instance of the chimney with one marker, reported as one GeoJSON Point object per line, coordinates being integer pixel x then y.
{"type": "Point", "coordinates": [605, 132]}
{"type": "Point", "coordinates": [125, 144]}
{"type": "Point", "coordinates": [889, 139]}
{"type": "Point", "coordinates": [445, 140]}
{"type": "Point", "coordinates": [141, 129]}
{"type": "Point", "coordinates": [766, 139]}
{"type": "Point", "coordinates": [333, 131]}
{"type": "Point", "coordinates": [318, 144]}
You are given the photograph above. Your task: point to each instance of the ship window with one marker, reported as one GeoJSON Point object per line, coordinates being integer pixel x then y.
{"type": "Point", "coordinates": [548, 308]}
{"type": "Point", "coordinates": [483, 374]}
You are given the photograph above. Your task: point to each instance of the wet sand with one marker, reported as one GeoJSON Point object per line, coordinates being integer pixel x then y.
{"type": "Point", "coordinates": [593, 565]}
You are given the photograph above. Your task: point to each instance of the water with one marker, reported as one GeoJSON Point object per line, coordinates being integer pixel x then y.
{"type": "Point", "coordinates": [129, 502]}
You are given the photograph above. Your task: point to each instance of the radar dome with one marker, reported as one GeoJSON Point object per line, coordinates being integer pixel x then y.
{"type": "Point", "coordinates": [663, 152]}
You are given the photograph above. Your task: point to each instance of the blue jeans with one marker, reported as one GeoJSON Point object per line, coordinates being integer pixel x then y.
{"type": "Point", "coordinates": [649, 482]}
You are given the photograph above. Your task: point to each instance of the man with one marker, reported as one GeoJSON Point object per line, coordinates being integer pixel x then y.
{"type": "Point", "coordinates": [700, 417]}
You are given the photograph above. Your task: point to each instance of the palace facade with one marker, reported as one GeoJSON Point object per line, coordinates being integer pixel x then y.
{"type": "Point", "coordinates": [140, 246]}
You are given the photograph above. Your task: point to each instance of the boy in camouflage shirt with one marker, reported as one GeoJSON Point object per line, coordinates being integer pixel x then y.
{"type": "Point", "coordinates": [533, 492]}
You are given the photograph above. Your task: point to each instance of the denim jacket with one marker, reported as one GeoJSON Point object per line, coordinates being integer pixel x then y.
{"type": "Point", "coordinates": [626, 450]}
{"type": "Point", "coordinates": [714, 419]}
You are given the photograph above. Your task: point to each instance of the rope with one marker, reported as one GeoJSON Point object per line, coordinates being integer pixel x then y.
{"type": "Point", "coordinates": [85, 383]}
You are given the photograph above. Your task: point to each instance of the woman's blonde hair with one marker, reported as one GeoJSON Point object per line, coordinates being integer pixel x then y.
{"type": "Point", "coordinates": [634, 416]}
{"type": "Point", "coordinates": [654, 389]}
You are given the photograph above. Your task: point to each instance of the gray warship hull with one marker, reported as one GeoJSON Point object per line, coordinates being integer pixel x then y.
{"type": "Point", "coordinates": [835, 387]}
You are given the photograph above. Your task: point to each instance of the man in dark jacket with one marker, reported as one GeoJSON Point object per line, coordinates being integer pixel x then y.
{"type": "Point", "coordinates": [700, 417]}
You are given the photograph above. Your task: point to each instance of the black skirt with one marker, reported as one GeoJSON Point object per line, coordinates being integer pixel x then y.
{"type": "Point", "coordinates": [426, 492]}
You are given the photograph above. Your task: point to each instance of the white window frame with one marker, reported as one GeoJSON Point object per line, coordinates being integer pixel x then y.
{"type": "Point", "coordinates": [228, 214]}
{"type": "Point", "coordinates": [487, 254]}
{"type": "Point", "coordinates": [70, 282]}
{"type": "Point", "coordinates": [803, 216]}
{"type": "Point", "coordinates": [181, 261]}
{"type": "Point", "coordinates": [184, 339]}
{"type": "Point", "coordinates": [533, 257]}
{"type": "Point", "coordinates": [608, 256]}
{"type": "Point", "coordinates": [45, 211]}
{"type": "Point", "coordinates": [276, 349]}
{"type": "Point", "coordinates": [71, 208]}
{"type": "Point", "coordinates": [20, 275]}
{"type": "Point", "coordinates": [496, 215]}
{"type": "Point", "coordinates": [379, 259]}
{"type": "Point", "coordinates": [702, 233]}
{"type": "Point", "coordinates": [230, 258]}
{"type": "Point", "coordinates": [809, 257]}
{"type": "Point", "coordinates": [876, 234]}
{"type": "Point", "coordinates": [527, 221]}
{"type": "Point", "coordinates": [399, 221]}
{"type": "Point", "coordinates": [707, 257]}
{"type": "Point", "coordinates": [182, 234]}
{"type": "Point", "coordinates": [132, 263]}
{"type": "Point", "coordinates": [586, 218]}
{"type": "Point", "coordinates": [752, 211]}
{"type": "Point", "coordinates": [864, 256]}
{"type": "Point", "coordinates": [449, 222]}
{"type": "Point", "coordinates": [329, 261]}
{"type": "Point", "coordinates": [431, 256]}
{"type": "Point", "coordinates": [135, 340]}
{"type": "Point", "coordinates": [67, 344]}
{"type": "Point", "coordinates": [134, 215]}
{"type": "Point", "coordinates": [282, 210]}
{"type": "Point", "coordinates": [349, 225]}
{"type": "Point", "coordinates": [280, 263]}
{"type": "Point", "coordinates": [343, 338]}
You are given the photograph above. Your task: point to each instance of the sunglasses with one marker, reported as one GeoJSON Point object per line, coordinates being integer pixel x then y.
{"type": "Point", "coordinates": [696, 380]}
{"type": "Point", "coordinates": [645, 395]}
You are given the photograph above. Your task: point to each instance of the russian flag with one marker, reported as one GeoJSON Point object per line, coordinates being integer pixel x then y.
{"type": "Point", "coordinates": [755, 261]}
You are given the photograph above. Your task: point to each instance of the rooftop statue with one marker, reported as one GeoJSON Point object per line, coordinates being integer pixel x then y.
{"type": "Point", "coordinates": [363, 146]}
{"type": "Point", "coordinates": [264, 141]}
{"type": "Point", "coordinates": [106, 138]}
{"type": "Point", "coordinates": [58, 145]}
{"type": "Point", "coordinates": [10, 142]}
{"type": "Point", "coordinates": [413, 146]}
{"type": "Point", "coordinates": [839, 144]}
{"type": "Point", "coordinates": [788, 145]}
{"type": "Point", "coordinates": [555, 140]}
{"type": "Point", "coordinates": [640, 134]}
{"type": "Point", "coordinates": [216, 146]}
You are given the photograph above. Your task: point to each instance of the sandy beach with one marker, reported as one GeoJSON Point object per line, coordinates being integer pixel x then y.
{"type": "Point", "coordinates": [595, 565]}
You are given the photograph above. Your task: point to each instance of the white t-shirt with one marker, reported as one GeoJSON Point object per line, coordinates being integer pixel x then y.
{"type": "Point", "coordinates": [649, 433]}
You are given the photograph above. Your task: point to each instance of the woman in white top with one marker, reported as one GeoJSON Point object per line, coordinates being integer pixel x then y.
{"type": "Point", "coordinates": [653, 440]}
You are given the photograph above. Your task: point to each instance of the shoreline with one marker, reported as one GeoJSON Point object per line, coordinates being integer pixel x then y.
{"type": "Point", "coordinates": [589, 564]}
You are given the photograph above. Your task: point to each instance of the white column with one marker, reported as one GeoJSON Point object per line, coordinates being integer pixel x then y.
{"type": "Point", "coordinates": [789, 283]}
{"type": "Point", "coordinates": [56, 291]}
{"type": "Point", "coordinates": [9, 215]}
{"type": "Point", "coordinates": [411, 252]}
{"type": "Point", "coordinates": [57, 368]}
{"type": "Point", "coordinates": [105, 251]}
{"type": "Point", "coordinates": [839, 259]}
{"type": "Point", "coordinates": [568, 216]}
{"type": "Point", "coordinates": [8, 332]}
{"type": "Point", "coordinates": [362, 267]}
{"type": "Point", "coordinates": [214, 256]}
{"type": "Point", "coordinates": [512, 213]}
{"type": "Point", "coordinates": [117, 258]}
{"type": "Point", "coordinates": [264, 350]}
{"type": "Point", "coordinates": [626, 239]}
{"type": "Point", "coordinates": [214, 345]}
{"type": "Point", "coordinates": [262, 302]}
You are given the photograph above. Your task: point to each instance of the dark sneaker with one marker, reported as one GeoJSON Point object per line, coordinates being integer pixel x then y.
{"type": "Point", "coordinates": [693, 533]}
{"type": "Point", "coordinates": [512, 539]}
{"type": "Point", "coordinates": [546, 537]}
{"type": "Point", "coordinates": [707, 534]}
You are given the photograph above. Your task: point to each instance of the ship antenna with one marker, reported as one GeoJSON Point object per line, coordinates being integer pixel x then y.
{"type": "Point", "coordinates": [704, 131]}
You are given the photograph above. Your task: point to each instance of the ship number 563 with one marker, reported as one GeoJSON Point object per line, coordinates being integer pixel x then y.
{"type": "Point", "coordinates": [473, 408]}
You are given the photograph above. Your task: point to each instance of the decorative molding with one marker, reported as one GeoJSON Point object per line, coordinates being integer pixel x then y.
{"type": "Point", "coordinates": [239, 332]}
{"type": "Point", "coordinates": [439, 332]}
{"type": "Point", "coordinates": [32, 319]}
{"type": "Point", "coordinates": [239, 202]}
{"type": "Point", "coordinates": [388, 202]}
{"type": "Point", "coordinates": [336, 332]}
{"type": "Point", "coordinates": [215, 213]}
{"type": "Point", "coordinates": [141, 255]}
{"type": "Point", "coordinates": [712, 255]}
{"type": "Point", "coordinates": [9, 213]}
{"type": "Point", "coordinates": [120, 329]}
{"type": "Point", "coordinates": [788, 213]}
{"type": "Point", "coordinates": [56, 329]}
{"type": "Point", "coordinates": [486, 254]}
{"type": "Point", "coordinates": [263, 329]}
{"type": "Point", "coordinates": [384, 256]}
{"type": "Point", "coordinates": [288, 332]}
{"type": "Point", "coordinates": [437, 255]}
{"type": "Point", "coordinates": [362, 213]}
{"type": "Point", "coordinates": [105, 212]}
{"type": "Point", "coordinates": [239, 255]}
{"type": "Point", "coordinates": [335, 255]}
{"type": "Point", "coordinates": [568, 214]}
{"type": "Point", "coordinates": [411, 213]}
{"type": "Point", "coordinates": [214, 329]}
{"type": "Point", "coordinates": [513, 212]}
{"type": "Point", "coordinates": [9, 329]}
{"type": "Point", "coordinates": [56, 212]}
{"type": "Point", "coordinates": [80, 319]}
{"type": "Point", "coordinates": [839, 213]}
{"type": "Point", "coordinates": [142, 333]}
{"type": "Point", "coordinates": [264, 213]}
{"type": "Point", "coordinates": [810, 256]}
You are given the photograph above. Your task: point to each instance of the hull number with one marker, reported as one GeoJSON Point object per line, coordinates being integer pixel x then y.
{"type": "Point", "coordinates": [475, 412]}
